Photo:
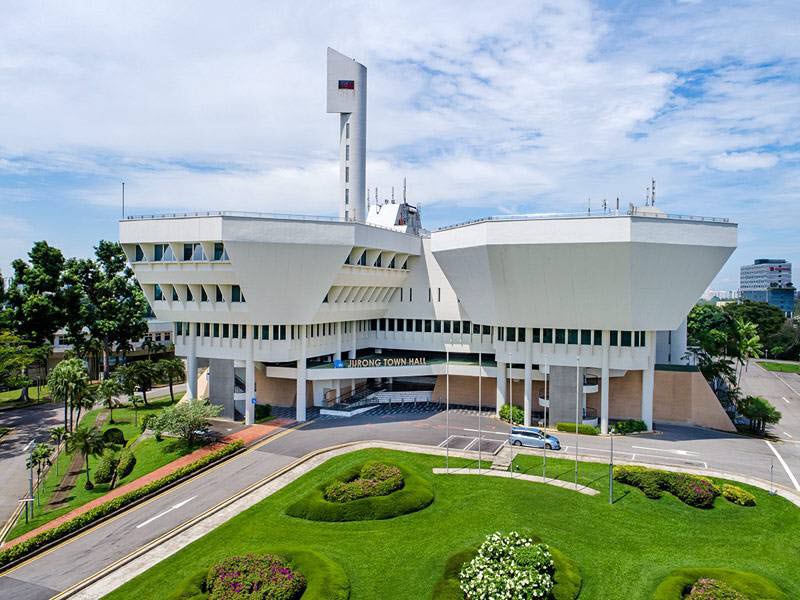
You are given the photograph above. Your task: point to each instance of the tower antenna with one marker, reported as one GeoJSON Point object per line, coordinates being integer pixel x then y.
{"type": "Point", "coordinates": [123, 199]}
{"type": "Point", "coordinates": [404, 191]}
{"type": "Point", "coordinates": [392, 194]}
{"type": "Point", "coordinates": [653, 192]}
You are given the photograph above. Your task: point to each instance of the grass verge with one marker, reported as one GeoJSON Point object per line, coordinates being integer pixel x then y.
{"type": "Point", "coordinates": [780, 367]}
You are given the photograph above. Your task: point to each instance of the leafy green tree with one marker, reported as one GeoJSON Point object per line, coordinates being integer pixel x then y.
{"type": "Point", "coordinates": [69, 383]}
{"type": "Point", "coordinates": [760, 413]}
{"type": "Point", "coordinates": [189, 420]}
{"type": "Point", "coordinates": [15, 358]}
{"type": "Point", "coordinates": [171, 369]}
{"type": "Point", "coordinates": [106, 307]}
{"type": "Point", "coordinates": [708, 327]}
{"type": "Point", "coordinates": [768, 319]}
{"type": "Point", "coordinates": [748, 343]}
{"type": "Point", "coordinates": [57, 436]}
{"type": "Point", "coordinates": [89, 442]}
{"type": "Point", "coordinates": [107, 392]}
{"type": "Point", "coordinates": [140, 375]}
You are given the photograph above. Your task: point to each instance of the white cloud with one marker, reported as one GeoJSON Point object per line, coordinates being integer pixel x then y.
{"type": "Point", "coordinates": [743, 161]}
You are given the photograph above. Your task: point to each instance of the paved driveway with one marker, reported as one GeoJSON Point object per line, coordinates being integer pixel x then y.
{"type": "Point", "coordinates": [28, 424]}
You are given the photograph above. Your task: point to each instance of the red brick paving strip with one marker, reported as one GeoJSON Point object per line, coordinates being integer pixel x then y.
{"type": "Point", "coordinates": [248, 435]}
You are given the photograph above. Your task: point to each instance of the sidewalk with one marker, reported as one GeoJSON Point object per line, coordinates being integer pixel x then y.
{"type": "Point", "coordinates": [248, 435]}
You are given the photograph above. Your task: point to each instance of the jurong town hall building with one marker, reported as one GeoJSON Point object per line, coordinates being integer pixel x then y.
{"type": "Point", "coordinates": [320, 311]}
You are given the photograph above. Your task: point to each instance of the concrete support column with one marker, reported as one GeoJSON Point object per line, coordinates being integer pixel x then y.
{"type": "Point", "coordinates": [301, 375]}
{"type": "Point", "coordinates": [191, 365]}
{"type": "Point", "coordinates": [648, 377]}
{"type": "Point", "coordinates": [338, 355]}
{"type": "Point", "coordinates": [528, 393]}
{"type": "Point", "coordinates": [604, 383]}
{"type": "Point", "coordinates": [501, 385]}
{"type": "Point", "coordinates": [250, 381]}
{"type": "Point", "coordinates": [319, 392]}
{"type": "Point", "coordinates": [353, 353]}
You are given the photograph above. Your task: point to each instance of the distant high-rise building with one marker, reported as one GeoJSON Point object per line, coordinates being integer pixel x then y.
{"type": "Point", "coordinates": [768, 280]}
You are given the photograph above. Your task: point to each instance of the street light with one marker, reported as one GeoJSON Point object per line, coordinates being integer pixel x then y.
{"type": "Point", "coordinates": [611, 470]}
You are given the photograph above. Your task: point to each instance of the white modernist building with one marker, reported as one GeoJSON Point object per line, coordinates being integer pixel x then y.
{"type": "Point", "coordinates": [322, 312]}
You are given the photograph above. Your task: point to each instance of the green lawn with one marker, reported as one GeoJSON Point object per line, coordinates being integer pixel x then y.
{"type": "Point", "coordinates": [623, 549]}
{"type": "Point", "coordinates": [11, 397]}
{"type": "Point", "coordinates": [150, 455]}
{"type": "Point", "coordinates": [780, 367]}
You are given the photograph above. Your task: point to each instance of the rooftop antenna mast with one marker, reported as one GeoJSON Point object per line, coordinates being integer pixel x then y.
{"type": "Point", "coordinates": [653, 191]}
{"type": "Point", "coordinates": [404, 191]}
{"type": "Point", "coordinates": [589, 206]}
{"type": "Point", "coordinates": [392, 194]}
{"type": "Point", "coordinates": [123, 199]}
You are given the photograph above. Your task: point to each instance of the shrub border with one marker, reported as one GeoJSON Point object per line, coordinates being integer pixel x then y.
{"type": "Point", "coordinates": [448, 585]}
{"type": "Point", "coordinates": [415, 495]}
{"type": "Point", "coordinates": [326, 579]}
{"type": "Point", "coordinates": [752, 585]}
{"type": "Point", "coordinates": [49, 538]}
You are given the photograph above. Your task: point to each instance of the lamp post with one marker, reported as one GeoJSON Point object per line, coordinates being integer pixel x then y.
{"type": "Point", "coordinates": [546, 404]}
{"type": "Point", "coordinates": [447, 410]}
{"type": "Point", "coordinates": [577, 406]}
{"type": "Point", "coordinates": [611, 470]}
{"type": "Point", "coordinates": [480, 433]}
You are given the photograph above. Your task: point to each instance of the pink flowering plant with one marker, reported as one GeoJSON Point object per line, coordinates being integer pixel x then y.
{"type": "Point", "coordinates": [508, 566]}
{"type": "Point", "coordinates": [713, 589]}
{"type": "Point", "coordinates": [254, 577]}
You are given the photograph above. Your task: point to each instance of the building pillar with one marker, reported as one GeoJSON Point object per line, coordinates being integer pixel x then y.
{"type": "Point", "coordinates": [648, 376]}
{"type": "Point", "coordinates": [338, 355]}
{"type": "Point", "coordinates": [301, 376]}
{"type": "Point", "coordinates": [191, 365]}
{"type": "Point", "coordinates": [352, 354]}
{"type": "Point", "coordinates": [250, 381]}
{"type": "Point", "coordinates": [501, 386]}
{"type": "Point", "coordinates": [528, 378]}
{"type": "Point", "coordinates": [604, 383]}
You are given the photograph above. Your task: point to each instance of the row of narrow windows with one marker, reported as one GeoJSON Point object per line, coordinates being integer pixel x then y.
{"type": "Point", "coordinates": [193, 252]}
{"type": "Point", "coordinates": [236, 294]}
{"type": "Point", "coordinates": [362, 261]}
{"type": "Point", "coordinates": [267, 332]}
{"type": "Point", "coordinates": [584, 337]}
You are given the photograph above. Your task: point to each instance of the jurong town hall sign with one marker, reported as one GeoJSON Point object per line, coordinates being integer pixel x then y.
{"type": "Point", "coordinates": [389, 361]}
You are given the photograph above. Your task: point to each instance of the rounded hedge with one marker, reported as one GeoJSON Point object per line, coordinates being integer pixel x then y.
{"type": "Point", "coordinates": [416, 494]}
{"type": "Point", "coordinates": [675, 585]}
{"type": "Point", "coordinates": [325, 578]}
{"type": "Point", "coordinates": [567, 577]}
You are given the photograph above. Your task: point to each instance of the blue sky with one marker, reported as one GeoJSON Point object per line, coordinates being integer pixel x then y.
{"type": "Point", "coordinates": [486, 109]}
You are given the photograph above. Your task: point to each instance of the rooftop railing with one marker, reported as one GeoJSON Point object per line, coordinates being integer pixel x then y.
{"type": "Point", "coordinates": [611, 214]}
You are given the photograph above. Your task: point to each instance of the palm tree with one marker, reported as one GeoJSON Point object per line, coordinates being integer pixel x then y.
{"type": "Point", "coordinates": [138, 374]}
{"type": "Point", "coordinates": [86, 402]}
{"type": "Point", "coordinates": [69, 383]}
{"type": "Point", "coordinates": [171, 369]}
{"type": "Point", "coordinates": [57, 435]}
{"type": "Point", "coordinates": [89, 442]}
{"type": "Point", "coordinates": [748, 343]}
{"type": "Point", "coordinates": [39, 458]}
{"type": "Point", "coordinates": [134, 400]}
{"type": "Point", "coordinates": [107, 392]}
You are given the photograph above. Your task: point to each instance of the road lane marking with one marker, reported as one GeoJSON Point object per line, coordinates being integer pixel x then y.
{"type": "Point", "coordinates": [485, 432]}
{"type": "Point", "coordinates": [169, 510]}
{"type": "Point", "coordinates": [444, 442]}
{"type": "Point", "coordinates": [785, 400]}
{"type": "Point", "coordinates": [786, 383]}
{"type": "Point", "coordinates": [784, 465]}
{"type": "Point", "coordinates": [789, 435]}
{"type": "Point", "coordinates": [680, 452]}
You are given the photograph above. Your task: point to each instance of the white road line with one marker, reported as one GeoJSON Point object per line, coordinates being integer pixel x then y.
{"type": "Point", "coordinates": [785, 466]}
{"type": "Point", "coordinates": [789, 435]}
{"type": "Point", "coordinates": [484, 432]}
{"type": "Point", "coordinates": [786, 383]}
{"type": "Point", "coordinates": [468, 446]}
{"type": "Point", "coordinates": [445, 441]}
{"type": "Point", "coordinates": [169, 510]}
{"type": "Point", "coordinates": [785, 400]}
{"type": "Point", "coordinates": [679, 452]}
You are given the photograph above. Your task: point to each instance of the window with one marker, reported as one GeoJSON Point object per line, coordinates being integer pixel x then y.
{"type": "Point", "coordinates": [476, 329]}
{"type": "Point", "coordinates": [157, 293]}
{"type": "Point", "coordinates": [373, 325]}
{"type": "Point", "coordinates": [401, 294]}
{"type": "Point", "coordinates": [362, 260]}
{"type": "Point", "coordinates": [236, 294]}
{"type": "Point", "coordinates": [193, 252]}
{"type": "Point", "coordinates": [536, 335]}
{"type": "Point", "coordinates": [456, 326]}
{"type": "Point", "coordinates": [226, 330]}
{"type": "Point", "coordinates": [501, 334]}
{"type": "Point", "coordinates": [220, 253]}
{"type": "Point", "coordinates": [487, 330]}
{"type": "Point", "coordinates": [614, 338]}
{"type": "Point", "coordinates": [626, 338]}
{"type": "Point", "coordinates": [521, 334]}
{"type": "Point", "coordinates": [166, 336]}
{"type": "Point", "coordinates": [428, 325]}
{"type": "Point", "coordinates": [586, 337]}
{"type": "Point", "coordinates": [347, 174]}
{"type": "Point", "coordinates": [163, 252]}
{"type": "Point", "coordinates": [347, 196]}
{"type": "Point", "coordinates": [636, 338]}
{"type": "Point", "coordinates": [429, 294]}
{"type": "Point", "coordinates": [410, 294]}
{"type": "Point", "coordinates": [139, 254]}
{"type": "Point", "coordinates": [511, 334]}
{"type": "Point", "coordinates": [219, 294]}
{"type": "Point", "coordinates": [187, 252]}
{"type": "Point", "coordinates": [189, 295]}
{"type": "Point", "coordinates": [560, 336]}
{"type": "Point", "coordinates": [174, 294]}
{"type": "Point", "coordinates": [548, 336]}
{"type": "Point", "coordinates": [203, 295]}
{"type": "Point", "coordinates": [446, 328]}
{"type": "Point", "coordinates": [179, 328]}
{"type": "Point", "coordinates": [598, 337]}
{"type": "Point", "coordinates": [206, 330]}
{"type": "Point", "coordinates": [235, 332]}
{"type": "Point", "coordinates": [390, 322]}
{"type": "Point", "coordinates": [409, 324]}
{"type": "Point", "coordinates": [347, 131]}
{"type": "Point", "coordinates": [572, 336]}
{"type": "Point", "coordinates": [418, 326]}
{"type": "Point", "coordinates": [382, 324]}
{"type": "Point", "coordinates": [347, 152]}
{"type": "Point", "coordinates": [437, 326]}
{"type": "Point", "coordinates": [401, 325]}
{"type": "Point", "coordinates": [255, 332]}
{"type": "Point", "coordinates": [216, 330]}
{"type": "Point", "coordinates": [439, 294]}
{"type": "Point", "coordinates": [347, 215]}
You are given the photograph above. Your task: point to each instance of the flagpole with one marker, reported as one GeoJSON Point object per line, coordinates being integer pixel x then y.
{"type": "Point", "coordinates": [480, 436]}
{"type": "Point", "coordinates": [511, 412]}
{"type": "Point", "coordinates": [546, 402]}
{"type": "Point", "coordinates": [447, 410]}
{"type": "Point", "coordinates": [577, 402]}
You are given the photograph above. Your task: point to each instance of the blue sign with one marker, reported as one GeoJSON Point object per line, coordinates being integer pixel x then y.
{"type": "Point", "coordinates": [338, 364]}
{"type": "Point", "coordinates": [253, 400]}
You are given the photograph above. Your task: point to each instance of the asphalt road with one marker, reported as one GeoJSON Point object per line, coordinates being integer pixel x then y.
{"type": "Point", "coordinates": [783, 392]}
{"type": "Point", "coordinates": [83, 556]}
{"type": "Point", "coordinates": [27, 424]}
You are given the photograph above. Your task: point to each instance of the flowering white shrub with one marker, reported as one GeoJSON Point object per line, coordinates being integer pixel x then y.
{"type": "Point", "coordinates": [508, 566]}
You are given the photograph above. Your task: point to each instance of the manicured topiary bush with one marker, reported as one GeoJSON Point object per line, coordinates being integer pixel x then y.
{"type": "Point", "coordinates": [733, 493]}
{"type": "Point", "coordinates": [104, 472]}
{"type": "Point", "coordinates": [629, 426]}
{"type": "Point", "coordinates": [679, 584]}
{"type": "Point", "coordinates": [516, 411]}
{"type": "Point", "coordinates": [414, 494]}
{"type": "Point", "coordinates": [126, 463]}
{"type": "Point", "coordinates": [254, 577]}
{"type": "Point", "coordinates": [114, 436]}
{"type": "Point", "coordinates": [567, 427]}
{"type": "Point", "coordinates": [566, 576]}
{"type": "Point", "coordinates": [375, 479]}
{"type": "Point", "coordinates": [148, 422]}
{"type": "Point", "coordinates": [325, 578]}
{"type": "Point", "coordinates": [690, 489]}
